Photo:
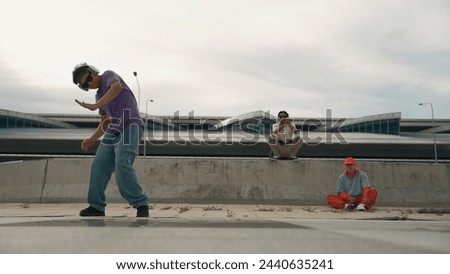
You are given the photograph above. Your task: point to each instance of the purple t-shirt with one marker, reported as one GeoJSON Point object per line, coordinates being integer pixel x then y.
{"type": "Point", "coordinates": [123, 109]}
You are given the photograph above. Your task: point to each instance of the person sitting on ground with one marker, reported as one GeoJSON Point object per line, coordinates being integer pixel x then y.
{"type": "Point", "coordinates": [282, 141]}
{"type": "Point", "coordinates": [353, 189]}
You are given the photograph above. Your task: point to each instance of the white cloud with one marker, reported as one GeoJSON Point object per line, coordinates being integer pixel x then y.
{"type": "Point", "coordinates": [230, 57]}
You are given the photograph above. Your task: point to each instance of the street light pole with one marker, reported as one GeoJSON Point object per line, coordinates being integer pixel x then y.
{"type": "Point", "coordinates": [139, 90]}
{"type": "Point", "coordinates": [434, 131]}
{"type": "Point", "coordinates": [146, 126]}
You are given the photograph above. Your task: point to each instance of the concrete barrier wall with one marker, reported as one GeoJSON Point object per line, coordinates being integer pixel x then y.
{"type": "Point", "coordinates": [228, 180]}
{"type": "Point", "coordinates": [22, 181]}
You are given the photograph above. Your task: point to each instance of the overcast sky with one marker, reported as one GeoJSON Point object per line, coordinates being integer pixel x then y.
{"type": "Point", "coordinates": [228, 57]}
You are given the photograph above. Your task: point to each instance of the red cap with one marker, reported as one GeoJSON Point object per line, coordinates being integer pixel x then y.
{"type": "Point", "coordinates": [349, 161]}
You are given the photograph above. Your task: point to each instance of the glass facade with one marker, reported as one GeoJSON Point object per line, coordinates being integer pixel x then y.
{"type": "Point", "coordinates": [389, 126]}
{"type": "Point", "coordinates": [19, 122]}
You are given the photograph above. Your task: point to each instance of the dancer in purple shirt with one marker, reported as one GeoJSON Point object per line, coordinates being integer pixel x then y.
{"type": "Point", "coordinates": [121, 128]}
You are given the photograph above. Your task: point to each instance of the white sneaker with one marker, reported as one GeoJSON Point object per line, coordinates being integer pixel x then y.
{"type": "Point", "coordinates": [361, 207]}
{"type": "Point", "coordinates": [349, 206]}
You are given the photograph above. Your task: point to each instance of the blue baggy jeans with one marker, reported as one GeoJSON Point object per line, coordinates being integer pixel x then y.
{"type": "Point", "coordinates": [116, 153]}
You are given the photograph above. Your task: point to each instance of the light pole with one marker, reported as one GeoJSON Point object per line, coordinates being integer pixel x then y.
{"type": "Point", "coordinates": [139, 90]}
{"type": "Point", "coordinates": [146, 126]}
{"type": "Point", "coordinates": [434, 131]}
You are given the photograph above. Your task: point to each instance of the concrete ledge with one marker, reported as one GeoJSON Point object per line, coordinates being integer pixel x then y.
{"type": "Point", "coordinates": [228, 180]}
{"type": "Point", "coordinates": [22, 181]}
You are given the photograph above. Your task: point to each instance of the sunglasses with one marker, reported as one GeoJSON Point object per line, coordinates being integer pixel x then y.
{"type": "Point", "coordinates": [86, 83]}
{"type": "Point", "coordinates": [282, 116]}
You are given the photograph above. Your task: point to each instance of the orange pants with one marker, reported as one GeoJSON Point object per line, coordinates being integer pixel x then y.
{"type": "Point", "coordinates": [368, 197]}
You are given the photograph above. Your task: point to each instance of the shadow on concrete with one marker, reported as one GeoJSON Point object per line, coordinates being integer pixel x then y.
{"type": "Point", "coordinates": [159, 222]}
